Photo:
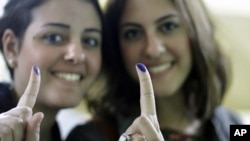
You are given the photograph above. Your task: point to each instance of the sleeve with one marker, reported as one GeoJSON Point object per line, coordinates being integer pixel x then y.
{"type": "Point", "coordinates": [222, 119]}
{"type": "Point", "coordinates": [6, 101]}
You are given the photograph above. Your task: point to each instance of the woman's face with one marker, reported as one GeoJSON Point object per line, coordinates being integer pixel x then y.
{"type": "Point", "coordinates": [64, 40]}
{"type": "Point", "coordinates": [151, 32]}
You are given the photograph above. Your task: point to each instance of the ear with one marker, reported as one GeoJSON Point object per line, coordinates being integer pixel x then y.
{"type": "Point", "coordinates": [10, 47]}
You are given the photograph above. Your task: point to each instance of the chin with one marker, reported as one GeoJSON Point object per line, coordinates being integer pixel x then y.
{"type": "Point", "coordinates": [164, 92]}
{"type": "Point", "coordinates": [71, 103]}
{"type": "Point", "coordinates": [65, 103]}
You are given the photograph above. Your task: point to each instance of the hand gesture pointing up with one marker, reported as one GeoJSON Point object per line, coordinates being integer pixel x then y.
{"type": "Point", "coordinates": [19, 123]}
{"type": "Point", "coordinates": [146, 126]}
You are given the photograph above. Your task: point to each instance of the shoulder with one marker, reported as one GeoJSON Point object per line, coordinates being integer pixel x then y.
{"type": "Point", "coordinates": [6, 101]}
{"type": "Point", "coordinates": [4, 87]}
{"type": "Point", "coordinates": [225, 115]}
{"type": "Point", "coordinates": [222, 119]}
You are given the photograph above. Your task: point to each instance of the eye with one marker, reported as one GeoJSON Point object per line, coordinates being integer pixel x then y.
{"type": "Point", "coordinates": [168, 27]}
{"type": "Point", "coordinates": [53, 38]}
{"type": "Point", "coordinates": [131, 34]}
{"type": "Point", "coordinates": [91, 42]}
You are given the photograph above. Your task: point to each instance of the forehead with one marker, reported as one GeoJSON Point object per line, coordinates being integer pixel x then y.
{"type": "Point", "coordinates": [136, 10]}
{"type": "Point", "coordinates": [67, 11]}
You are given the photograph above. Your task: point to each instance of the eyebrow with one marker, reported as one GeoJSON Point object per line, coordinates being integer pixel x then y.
{"type": "Point", "coordinates": [157, 21]}
{"type": "Point", "coordinates": [58, 25]}
{"type": "Point", "coordinates": [68, 27]}
{"type": "Point", "coordinates": [130, 24]}
{"type": "Point", "coordinates": [165, 17]}
{"type": "Point", "coordinates": [87, 30]}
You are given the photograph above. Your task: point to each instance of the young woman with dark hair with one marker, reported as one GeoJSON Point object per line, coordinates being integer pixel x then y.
{"type": "Point", "coordinates": [61, 40]}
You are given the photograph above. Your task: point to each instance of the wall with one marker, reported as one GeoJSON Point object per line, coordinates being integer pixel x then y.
{"type": "Point", "coordinates": [232, 21]}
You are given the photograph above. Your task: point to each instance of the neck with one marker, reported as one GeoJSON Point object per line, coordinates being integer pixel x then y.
{"type": "Point", "coordinates": [172, 114]}
{"type": "Point", "coordinates": [48, 121]}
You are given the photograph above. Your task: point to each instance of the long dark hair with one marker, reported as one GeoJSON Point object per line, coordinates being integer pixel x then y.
{"type": "Point", "coordinates": [206, 83]}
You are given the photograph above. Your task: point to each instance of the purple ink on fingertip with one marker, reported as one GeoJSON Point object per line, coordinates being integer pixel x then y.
{"type": "Point", "coordinates": [142, 67]}
{"type": "Point", "coordinates": [36, 70]}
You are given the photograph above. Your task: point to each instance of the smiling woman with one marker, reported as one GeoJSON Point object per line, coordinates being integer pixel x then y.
{"type": "Point", "coordinates": [175, 40]}
{"type": "Point", "coordinates": [64, 51]}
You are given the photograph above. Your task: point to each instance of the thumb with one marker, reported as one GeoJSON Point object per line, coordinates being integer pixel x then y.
{"type": "Point", "coordinates": [33, 127]}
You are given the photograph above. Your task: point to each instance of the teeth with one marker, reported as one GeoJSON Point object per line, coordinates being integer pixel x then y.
{"type": "Point", "coordinates": [160, 68]}
{"type": "Point", "coordinates": [69, 76]}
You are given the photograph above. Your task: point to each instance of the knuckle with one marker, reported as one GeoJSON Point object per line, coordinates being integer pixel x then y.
{"type": "Point", "coordinates": [19, 122]}
{"type": "Point", "coordinates": [26, 110]}
{"type": "Point", "coordinates": [10, 122]}
{"type": "Point", "coordinates": [143, 119]}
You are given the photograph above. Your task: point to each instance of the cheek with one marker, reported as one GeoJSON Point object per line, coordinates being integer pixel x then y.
{"type": "Point", "coordinates": [39, 55]}
{"type": "Point", "coordinates": [93, 63]}
{"type": "Point", "coordinates": [129, 58]}
{"type": "Point", "coordinates": [130, 55]}
{"type": "Point", "coordinates": [26, 59]}
{"type": "Point", "coordinates": [181, 47]}
{"type": "Point", "coordinates": [184, 54]}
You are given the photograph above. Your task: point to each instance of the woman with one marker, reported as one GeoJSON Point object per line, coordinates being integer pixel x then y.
{"type": "Point", "coordinates": [62, 40]}
{"type": "Point", "coordinates": [175, 40]}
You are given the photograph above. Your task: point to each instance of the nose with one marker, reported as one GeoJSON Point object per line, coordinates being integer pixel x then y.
{"type": "Point", "coordinates": [155, 47]}
{"type": "Point", "coordinates": [74, 54]}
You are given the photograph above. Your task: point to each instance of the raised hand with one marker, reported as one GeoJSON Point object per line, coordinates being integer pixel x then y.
{"type": "Point", "coordinates": [18, 124]}
{"type": "Point", "coordinates": [146, 126]}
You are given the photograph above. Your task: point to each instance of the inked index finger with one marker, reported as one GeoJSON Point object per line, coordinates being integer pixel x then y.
{"type": "Point", "coordinates": [147, 99]}
{"type": "Point", "coordinates": [31, 91]}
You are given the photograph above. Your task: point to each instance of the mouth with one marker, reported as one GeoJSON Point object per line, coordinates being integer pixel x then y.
{"type": "Point", "coordinates": [71, 77]}
{"type": "Point", "coordinates": [160, 68]}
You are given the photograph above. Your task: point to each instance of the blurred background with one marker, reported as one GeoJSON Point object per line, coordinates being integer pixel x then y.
{"type": "Point", "coordinates": [232, 22]}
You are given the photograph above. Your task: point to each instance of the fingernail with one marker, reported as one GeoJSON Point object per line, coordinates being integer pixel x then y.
{"type": "Point", "coordinates": [36, 70]}
{"type": "Point", "coordinates": [141, 67]}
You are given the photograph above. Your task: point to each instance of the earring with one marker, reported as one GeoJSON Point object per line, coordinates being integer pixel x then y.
{"type": "Point", "coordinates": [11, 62]}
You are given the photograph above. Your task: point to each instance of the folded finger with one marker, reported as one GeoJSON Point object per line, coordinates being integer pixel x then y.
{"type": "Point", "coordinates": [5, 133]}
{"type": "Point", "coordinates": [12, 127]}
{"type": "Point", "coordinates": [144, 126]}
{"type": "Point", "coordinates": [20, 112]}
{"type": "Point", "coordinates": [6, 138]}
{"type": "Point", "coordinates": [33, 127]}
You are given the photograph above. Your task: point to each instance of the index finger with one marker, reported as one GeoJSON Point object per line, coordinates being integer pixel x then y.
{"type": "Point", "coordinates": [31, 91]}
{"type": "Point", "coordinates": [147, 99]}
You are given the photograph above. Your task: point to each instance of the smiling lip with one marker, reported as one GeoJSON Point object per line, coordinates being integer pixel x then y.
{"type": "Point", "coordinates": [68, 76]}
{"type": "Point", "coordinates": [160, 70]}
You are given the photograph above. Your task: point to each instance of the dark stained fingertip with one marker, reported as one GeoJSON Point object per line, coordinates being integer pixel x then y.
{"type": "Point", "coordinates": [36, 70]}
{"type": "Point", "coordinates": [141, 67]}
